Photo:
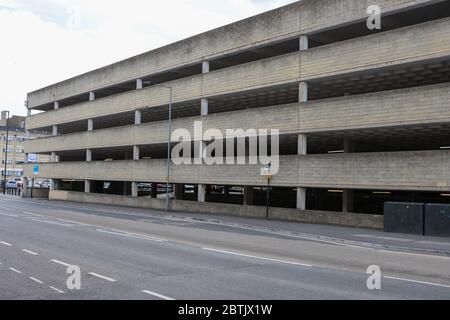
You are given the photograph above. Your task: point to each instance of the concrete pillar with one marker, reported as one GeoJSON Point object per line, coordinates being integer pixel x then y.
{"type": "Point", "coordinates": [56, 105]}
{"type": "Point", "coordinates": [25, 155]}
{"type": "Point", "coordinates": [134, 189]}
{"type": "Point", "coordinates": [136, 152]}
{"type": "Point", "coordinates": [25, 187]}
{"type": "Point", "coordinates": [55, 130]}
{"type": "Point", "coordinates": [27, 134]}
{"type": "Point", "coordinates": [302, 145]}
{"type": "Point", "coordinates": [179, 191]}
{"type": "Point", "coordinates": [87, 186]}
{"type": "Point", "coordinates": [303, 91]}
{"type": "Point", "coordinates": [348, 196]}
{"type": "Point", "coordinates": [53, 157]}
{"type": "Point", "coordinates": [349, 146]}
{"type": "Point", "coordinates": [226, 190]}
{"type": "Point", "coordinates": [54, 184]}
{"type": "Point", "coordinates": [201, 193]}
{"type": "Point", "coordinates": [91, 96]}
{"type": "Point", "coordinates": [139, 84]}
{"type": "Point", "coordinates": [348, 200]}
{"type": "Point", "coordinates": [29, 112]}
{"type": "Point", "coordinates": [154, 194]}
{"type": "Point", "coordinates": [304, 42]}
{"type": "Point", "coordinates": [204, 107]}
{"type": "Point", "coordinates": [205, 67]}
{"type": "Point", "coordinates": [137, 117]}
{"type": "Point", "coordinates": [301, 198]}
{"type": "Point", "coordinates": [90, 125]}
{"type": "Point", "coordinates": [248, 196]}
{"type": "Point", "coordinates": [88, 155]}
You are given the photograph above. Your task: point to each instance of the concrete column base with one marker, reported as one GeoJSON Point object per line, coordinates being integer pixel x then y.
{"type": "Point", "coordinates": [348, 201]}
{"type": "Point", "coordinates": [301, 199]}
{"type": "Point", "coordinates": [87, 186]}
{"type": "Point", "coordinates": [179, 191]}
{"type": "Point", "coordinates": [201, 193]}
{"type": "Point", "coordinates": [134, 189]}
{"type": "Point", "coordinates": [248, 196]}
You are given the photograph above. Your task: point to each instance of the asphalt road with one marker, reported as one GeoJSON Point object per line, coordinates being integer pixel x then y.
{"type": "Point", "coordinates": [128, 253]}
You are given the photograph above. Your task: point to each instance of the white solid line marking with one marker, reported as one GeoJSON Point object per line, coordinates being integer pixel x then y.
{"type": "Point", "coordinates": [36, 280]}
{"type": "Point", "coordinates": [157, 295]}
{"type": "Point", "coordinates": [53, 222]}
{"type": "Point", "coordinates": [56, 289]}
{"type": "Point", "coordinates": [102, 277]}
{"type": "Point", "coordinates": [30, 252]}
{"type": "Point", "coordinates": [61, 263]}
{"type": "Point", "coordinates": [256, 257]}
{"type": "Point", "coordinates": [15, 270]}
{"type": "Point", "coordinates": [419, 282]}
{"type": "Point", "coordinates": [9, 215]}
{"type": "Point", "coordinates": [6, 243]}
{"type": "Point", "coordinates": [131, 235]}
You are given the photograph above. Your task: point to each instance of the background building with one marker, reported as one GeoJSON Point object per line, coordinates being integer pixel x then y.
{"type": "Point", "coordinates": [16, 155]}
{"type": "Point", "coordinates": [364, 114]}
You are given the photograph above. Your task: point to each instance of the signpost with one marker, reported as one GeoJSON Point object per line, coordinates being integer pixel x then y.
{"type": "Point", "coordinates": [266, 172]}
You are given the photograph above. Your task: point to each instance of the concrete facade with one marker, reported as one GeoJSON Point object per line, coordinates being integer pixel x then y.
{"type": "Point", "coordinates": [363, 115]}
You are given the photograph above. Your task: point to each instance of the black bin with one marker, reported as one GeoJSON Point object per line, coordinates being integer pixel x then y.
{"type": "Point", "coordinates": [437, 220]}
{"type": "Point", "coordinates": [403, 217]}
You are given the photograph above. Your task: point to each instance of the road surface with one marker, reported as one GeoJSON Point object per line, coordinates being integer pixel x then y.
{"type": "Point", "coordinates": [126, 253]}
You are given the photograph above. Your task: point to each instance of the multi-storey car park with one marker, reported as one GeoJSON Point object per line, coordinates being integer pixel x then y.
{"type": "Point", "coordinates": [364, 115]}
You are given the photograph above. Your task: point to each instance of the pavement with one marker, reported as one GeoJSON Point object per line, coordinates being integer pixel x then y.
{"type": "Point", "coordinates": [128, 254]}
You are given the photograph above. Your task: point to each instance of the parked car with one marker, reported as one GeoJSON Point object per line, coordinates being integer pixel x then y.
{"type": "Point", "coordinates": [11, 184]}
{"type": "Point", "coordinates": [19, 182]}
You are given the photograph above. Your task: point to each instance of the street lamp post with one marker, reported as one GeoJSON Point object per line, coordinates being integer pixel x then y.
{"type": "Point", "coordinates": [6, 151]}
{"type": "Point", "coordinates": [169, 159]}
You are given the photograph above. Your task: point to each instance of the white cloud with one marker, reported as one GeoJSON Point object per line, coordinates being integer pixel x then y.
{"type": "Point", "coordinates": [43, 42]}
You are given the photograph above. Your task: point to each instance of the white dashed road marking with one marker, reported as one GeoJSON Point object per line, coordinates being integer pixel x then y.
{"type": "Point", "coordinates": [56, 289]}
{"type": "Point", "coordinates": [157, 295]}
{"type": "Point", "coordinates": [6, 243]}
{"type": "Point", "coordinates": [131, 235]}
{"type": "Point", "coordinates": [61, 263]}
{"type": "Point", "coordinates": [15, 270]}
{"type": "Point", "coordinates": [102, 277]}
{"type": "Point", "coordinates": [30, 252]}
{"type": "Point", "coordinates": [36, 280]}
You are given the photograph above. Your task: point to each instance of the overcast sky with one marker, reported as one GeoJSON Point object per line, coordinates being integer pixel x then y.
{"type": "Point", "coordinates": [46, 41]}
